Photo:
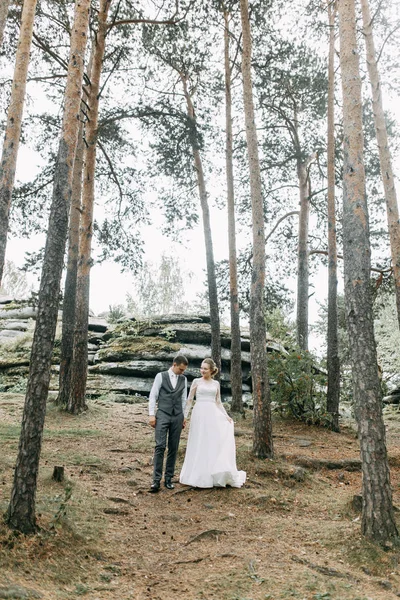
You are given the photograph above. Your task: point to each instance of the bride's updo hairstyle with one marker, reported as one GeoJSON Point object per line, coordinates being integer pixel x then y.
{"type": "Point", "coordinates": [212, 365]}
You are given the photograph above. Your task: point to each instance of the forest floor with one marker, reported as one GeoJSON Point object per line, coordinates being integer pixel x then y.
{"type": "Point", "coordinates": [290, 532]}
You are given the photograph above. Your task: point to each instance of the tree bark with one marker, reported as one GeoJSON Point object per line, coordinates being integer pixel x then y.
{"type": "Point", "coordinates": [4, 5]}
{"type": "Point", "coordinates": [77, 398]}
{"type": "Point", "coordinates": [236, 348]}
{"type": "Point", "coordinates": [262, 440]}
{"type": "Point", "coordinates": [21, 511]}
{"type": "Point", "coordinates": [302, 255]}
{"type": "Point", "coordinates": [211, 278]}
{"type": "Point", "coordinates": [378, 521]}
{"type": "Point", "coordinates": [333, 394]}
{"type": "Point", "coordinates": [384, 151]}
{"type": "Point", "coordinates": [68, 313]}
{"type": "Point", "coordinates": [14, 122]}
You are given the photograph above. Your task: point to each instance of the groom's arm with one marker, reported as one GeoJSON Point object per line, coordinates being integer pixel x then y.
{"type": "Point", "coordinates": [155, 389]}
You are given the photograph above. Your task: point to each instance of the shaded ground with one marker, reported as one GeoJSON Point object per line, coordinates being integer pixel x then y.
{"type": "Point", "coordinates": [289, 533]}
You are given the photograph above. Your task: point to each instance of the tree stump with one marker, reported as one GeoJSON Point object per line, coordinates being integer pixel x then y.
{"type": "Point", "coordinates": [58, 474]}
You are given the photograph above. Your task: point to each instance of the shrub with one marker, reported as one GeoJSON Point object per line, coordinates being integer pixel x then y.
{"type": "Point", "coordinates": [298, 387]}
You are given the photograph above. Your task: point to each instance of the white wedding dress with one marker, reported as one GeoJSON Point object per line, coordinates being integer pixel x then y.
{"type": "Point", "coordinates": [210, 458]}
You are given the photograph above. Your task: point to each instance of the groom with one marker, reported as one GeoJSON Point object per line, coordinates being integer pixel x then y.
{"type": "Point", "coordinates": [169, 392]}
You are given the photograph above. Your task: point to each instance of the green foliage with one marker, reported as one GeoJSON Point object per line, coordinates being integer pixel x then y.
{"type": "Point", "coordinates": [115, 312]}
{"type": "Point", "coordinates": [387, 337]}
{"type": "Point", "coordinates": [298, 387]}
{"type": "Point", "coordinates": [17, 386]}
{"type": "Point", "coordinates": [279, 327]}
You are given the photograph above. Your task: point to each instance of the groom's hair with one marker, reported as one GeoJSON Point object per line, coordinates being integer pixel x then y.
{"type": "Point", "coordinates": [180, 360]}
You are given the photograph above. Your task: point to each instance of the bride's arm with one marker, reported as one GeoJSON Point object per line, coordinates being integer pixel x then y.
{"type": "Point", "coordinates": [191, 396]}
{"type": "Point", "coordinates": [220, 405]}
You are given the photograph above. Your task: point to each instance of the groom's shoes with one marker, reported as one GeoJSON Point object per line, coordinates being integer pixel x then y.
{"type": "Point", "coordinates": [169, 485]}
{"type": "Point", "coordinates": [155, 487]}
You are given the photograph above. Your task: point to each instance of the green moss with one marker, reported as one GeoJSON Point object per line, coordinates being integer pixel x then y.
{"type": "Point", "coordinates": [136, 345]}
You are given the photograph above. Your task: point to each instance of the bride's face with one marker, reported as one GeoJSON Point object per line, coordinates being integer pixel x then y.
{"type": "Point", "coordinates": [205, 370]}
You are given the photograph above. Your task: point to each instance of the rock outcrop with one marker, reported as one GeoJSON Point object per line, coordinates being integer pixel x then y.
{"type": "Point", "coordinates": [124, 358]}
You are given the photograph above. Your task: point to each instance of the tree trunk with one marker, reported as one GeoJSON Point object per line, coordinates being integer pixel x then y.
{"type": "Point", "coordinates": [236, 348]}
{"type": "Point", "coordinates": [21, 511]}
{"type": "Point", "coordinates": [68, 313]}
{"type": "Point", "coordinates": [384, 152]}
{"type": "Point", "coordinates": [333, 364]}
{"type": "Point", "coordinates": [14, 121]}
{"type": "Point", "coordinates": [378, 521]}
{"type": "Point", "coordinates": [4, 4]}
{"type": "Point", "coordinates": [211, 278]}
{"type": "Point", "coordinates": [302, 256]}
{"type": "Point", "coordinates": [262, 441]}
{"type": "Point", "coordinates": [77, 398]}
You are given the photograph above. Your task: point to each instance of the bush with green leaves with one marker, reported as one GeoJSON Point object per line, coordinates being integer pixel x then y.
{"type": "Point", "coordinates": [298, 387]}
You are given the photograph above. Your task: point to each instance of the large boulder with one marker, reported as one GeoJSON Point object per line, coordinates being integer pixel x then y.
{"type": "Point", "coordinates": [125, 357]}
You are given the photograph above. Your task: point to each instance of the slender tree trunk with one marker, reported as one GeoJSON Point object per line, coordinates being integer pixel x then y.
{"type": "Point", "coordinates": [378, 521]}
{"type": "Point", "coordinates": [14, 122]}
{"type": "Point", "coordinates": [384, 151]}
{"type": "Point", "coordinates": [211, 278]}
{"type": "Point", "coordinates": [4, 5]}
{"type": "Point", "coordinates": [21, 511]}
{"type": "Point", "coordinates": [333, 364]}
{"type": "Point", "coordinates": [302, 256]}
{"type": "Point", "coordinates": [77, 398]}
{"type": "Point", "coordinates": [68, 313]}
{"type": "Point", "coordinates": [236, 347]}
{"type": "Point", "coordinates": [262, 441]}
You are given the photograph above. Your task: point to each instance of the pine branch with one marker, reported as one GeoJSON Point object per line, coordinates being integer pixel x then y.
{"type": "Point", "coordinates": [289, 214]}
{"type": "Point", "coordinates": [113, 173]}
{"type": "Point", "coordinates": [325, 252]}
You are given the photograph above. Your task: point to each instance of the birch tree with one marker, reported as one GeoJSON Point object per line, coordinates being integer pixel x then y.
{"type": "Point", "coordinates": [378, 522]}
{"type": "Point", "coordinates": [21, 514]}
{"type": "Point", "coordinates": [14, 122]}
{"type": "Point", "coordinates": [262, 440]}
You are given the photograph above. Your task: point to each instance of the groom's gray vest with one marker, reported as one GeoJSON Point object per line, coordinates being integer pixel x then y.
{"type": "Point", "coordinates": [170, 399]}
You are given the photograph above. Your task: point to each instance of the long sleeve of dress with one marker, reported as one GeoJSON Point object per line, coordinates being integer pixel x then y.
{"type": "Point", "coordinates": [189, 401]}
{"type": "Point", "coordinates": [219, 403]}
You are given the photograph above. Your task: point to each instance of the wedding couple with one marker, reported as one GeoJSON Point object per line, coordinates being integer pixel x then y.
{"type": "Point", "coordinates": [210, 458]}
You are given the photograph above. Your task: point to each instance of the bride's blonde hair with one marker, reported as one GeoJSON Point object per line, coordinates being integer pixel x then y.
{"type": "Point", "coordinates": [212, 365]}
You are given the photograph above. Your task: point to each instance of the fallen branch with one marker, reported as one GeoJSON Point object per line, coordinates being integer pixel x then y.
{"type": "Point", "coordinates": [322, 463]}
{"type": "Point", "coordinates": [323, 570]}
{"type": "Point", "coordinates": [189, 489]}
{"type": "Point", "coordinates": [187, 562]}
{"type": "Point", "coordinates": [206, 534]}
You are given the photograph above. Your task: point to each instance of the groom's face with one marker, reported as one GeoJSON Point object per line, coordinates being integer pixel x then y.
{"type": "Point", "coordinates": [179, 369]}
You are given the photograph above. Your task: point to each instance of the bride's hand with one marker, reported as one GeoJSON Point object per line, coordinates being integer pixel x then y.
{"type": "Point", "coordinates": [230, 420]}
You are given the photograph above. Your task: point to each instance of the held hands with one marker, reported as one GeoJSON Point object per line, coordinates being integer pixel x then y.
{"type": "Point", "coordinates": [152, 421]}
{"type": "Point", "coordinates": [184, 424]}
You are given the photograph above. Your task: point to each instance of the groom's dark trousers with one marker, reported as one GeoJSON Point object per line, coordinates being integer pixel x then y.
{"type": "Point", "coordinates": [169, 421]}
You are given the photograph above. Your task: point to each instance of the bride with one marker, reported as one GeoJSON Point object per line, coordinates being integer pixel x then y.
{"type": "Point", "coordinates": [210, 458]}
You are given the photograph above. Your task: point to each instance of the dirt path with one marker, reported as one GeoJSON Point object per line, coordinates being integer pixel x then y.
{"type": "Point", "coordinates": [289, 533]}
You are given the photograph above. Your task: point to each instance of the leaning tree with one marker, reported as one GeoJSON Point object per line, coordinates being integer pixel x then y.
{"type": "Point", "coordinates": [21, 514]}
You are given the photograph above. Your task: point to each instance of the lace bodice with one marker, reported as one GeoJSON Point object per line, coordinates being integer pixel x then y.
{"type": "Point", "coordinates": [205, 390]}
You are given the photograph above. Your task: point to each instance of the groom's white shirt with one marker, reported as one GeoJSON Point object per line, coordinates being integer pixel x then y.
{"type": "Point", "coordinates": [156, 389]}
